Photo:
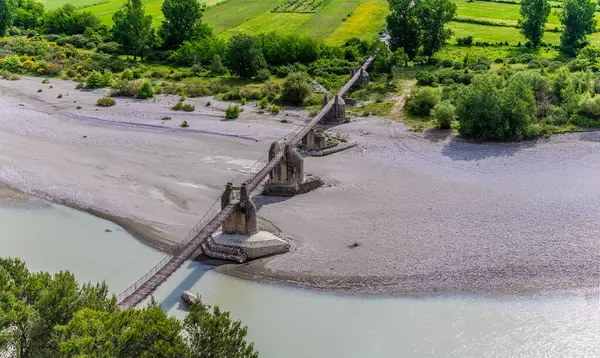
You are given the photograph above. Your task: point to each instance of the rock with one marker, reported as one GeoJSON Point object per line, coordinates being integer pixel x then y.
{"type": "Point", "coordinates": [107, 230]}
{"type": "Point", "coordinates": [317, 87]}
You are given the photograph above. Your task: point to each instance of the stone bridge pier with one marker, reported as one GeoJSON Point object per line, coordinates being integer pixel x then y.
{"type": "Point", "coordinates": [243, 219]}
{"type": "Point", "coordinates": [288, 178]}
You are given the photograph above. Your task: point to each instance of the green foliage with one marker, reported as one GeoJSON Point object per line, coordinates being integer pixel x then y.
{"type": "Point", "coordinates": [420, 26]}
{"type": "Point", "coordinates": [244, 56]}
{"type": "Point", "coordinates": [274, 109]}
{"type": "Point", "coordinates": [578, 20]}
{"type": "Point", "coordinates": [262, 75]}
{"type": "Point", "coordinates": [11, 63]}
{"type": "Point", "coordinates": [422, 101]}
{"type": "Point", "coordinates": [127, 74]}
{"type": "Point", "coordinates": [184, 124]}
{"type": "Point", "coordinates": [145, 91]}
{"type": "Point", "coordinates": [182, 21]}
{"type": "Point", "coordinates": [590, 106]}
{"type": "Point", "coordinates": [96, 80]}
{"type": "Point", "coordinates": [215, 335]}
{"type": "Point", "coordinates": [263, 103]}
{"type": "Point", "coordinates": [443, 113]}
{"type": "Point", "coordinates": [124, 88]}
{"type": "Point", "coordinates": [295, 89]}
{"type": "Point", "coordinates": [29, 14]}
{"type": "Point", "coordinates": [488, 112]}
{"type": "Point", "coordinates": [233, 112]}
{"type": "Point", "coordinates": [68, 20]}
{"type": "Point", "coordinates": [8, 9]}
{"type": "Point", "coordinates": [133, 28]}
{"type": "Point", "coordinates": [534, 15]}
{"type": "Point", "coordinates": [106, 102]}
{"type": "Point", "coordinates": [216, 65]}
{"type": "Point", "coordinates": [186, 107]}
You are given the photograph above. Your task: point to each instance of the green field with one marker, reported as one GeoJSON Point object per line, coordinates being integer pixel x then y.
{"type": "Point", "coordinates": [336, 20]}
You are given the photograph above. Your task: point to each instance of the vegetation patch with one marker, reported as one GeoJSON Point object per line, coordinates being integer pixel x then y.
{"type": "Point", "coordinates": [106, 102]}
{"type": "Point", "coordinates": [300, 6]}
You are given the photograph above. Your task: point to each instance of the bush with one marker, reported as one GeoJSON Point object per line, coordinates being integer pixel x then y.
{"type": "Point", "coordinates": [512, 60]}
{"type": "Point", "coordinates": [533, 64]}
{"type": "Point", "coordinates": [216, 65]}
{"type": "Point", "coordinates": [188, 107]}
{"type": "Point", "coordinates": [145, 91]}
{"type": "Point", "coordinates": [127, 75]}
{"type": "Point", "coordinates": [532, 131]}
{"type": "Point", "coordinates": [233, 112]}
{"type": "Point", "coordinates": [106, 102]}
{"type": "Point", "coordinates": [275, 109]}
{"type": "Point", "coordinates": [165, 118]}
{"type": "Point", "coordinates": [263, 103]}
{"type": "Point", "coordinates": [208, 103]}
{"type": "Point", "coordinates": [262, 75]}
{"type": "Point", "coordinates": [590, 106]}
{"type": "Point", "coordinates": [11, 63]}
{"type": "Point", "coordinates": [426, 78]}
{"type": "Point", "coordinates": [295, 89]}
{"type": "Point", "coordinates": [59, 95]}
{"type": "Point", "coordinates": [422, 101]}
{"type": "Point", "coordinates": [184, 124]}
{"type": "Point", "coordinates": [39, 90]}
{"type": "Point", "coordinates": [464, 41]}
{"type": "Point", "coordinates": [554, 65]}
{"type": "Point", "coordinates": [95, 80]}
{"type": "Point", "coordinates": [585, 122]}
{"type": "Point", "coordinates": [443, 114]}
{"type": "Point", "coordinates": [125, 88]}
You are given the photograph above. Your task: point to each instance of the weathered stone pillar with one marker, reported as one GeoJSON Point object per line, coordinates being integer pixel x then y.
{"type": "Point", "coordinates": [243, 219]}
{"type": "Point", "coordinates": [325, 99]}
{"type": "Point", "coordinates": [314, 141]}
{"type": "Point", "coordinates": [287, 178]}
{"type": "Point", "coordinates": [337, 114]}
{"type": "Point", "coordinates": [363, 79]}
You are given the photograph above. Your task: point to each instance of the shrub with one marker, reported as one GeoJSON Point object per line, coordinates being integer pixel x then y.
{"type": "Point", "coordinates": [295, 89]}
{"type": "Point", "coordinates": [263, 103]}
{"type": "Point", "coordinates": [145, 91]}
{"type": "Point", "coordinates": [78, 107]}
{"type": "Point", "coordinates": [422, 101]}
{"type": "Point", "coordinates": [554, 65]}
{"type": "Point", "coordinates": [233, 112]}
{"type": "Point", "coordinates": [108, 47]}
{"type": "Point", "coordinates": [244, 101]}
{"type": "Point", "coordinates": [443, 114]}
{"type": "Point", "coordinates": [11, 63]}
{"type": "Point", "coordinates": [262, 75]}
{"type": "Point", "coordinates": [208, 103]}
{"type": "Point", "coordinates": [590, 106]}
{"type": "Point", "coordinates": [512, 60]}
{"type": "Point", "coordinates": [79, 85]}
{"type": "Point", "coordinates": [127, 74]}
{"type": "Point", "coordinates": [165, 118]}
{"type": "Point", "coordinates": [216, 65]}
{"type": "Point", "coordinates": [532, 130]}
{"type": "Point", "coordinates": [39, 90]}
{"type": "Point", "coordinates": [275, 109]}
{"type": "Point", "coordinates": [59, 95]}
{"type": "Point", "coordinates": [125, 88]}
{"type": "Point", "coordinates": [585, 122]}
{"type": "Point", "coordinates": [464, 41]}
{"type": "Point", "coordinates": [188, 107]}
{"type": "Point", "coordinates": [184, 124]}
{"type": "Point", "coordinates": [45, 80]}
{"type": "Point", "coordinates": [426, 78]}
{"type": "Point", "coordinates": [95, 80]}
{"type": "Point", "coordinates": [534, 64]}
{"type": "Point", "coordinates": [178, 106]}
{"type": "Point", "coordinates": [106, 102]}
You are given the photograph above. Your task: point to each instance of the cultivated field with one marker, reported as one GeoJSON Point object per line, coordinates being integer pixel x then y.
{"type": "Point", "coordinates": [336, 20]}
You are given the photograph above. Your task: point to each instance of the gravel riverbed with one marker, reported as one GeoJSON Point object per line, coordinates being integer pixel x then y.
{"type": "Point", "coordinates": [402, 212]}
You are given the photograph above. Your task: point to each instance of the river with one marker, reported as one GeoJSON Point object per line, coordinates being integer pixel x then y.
{"type": "Point", "coordinates": [287, 322]}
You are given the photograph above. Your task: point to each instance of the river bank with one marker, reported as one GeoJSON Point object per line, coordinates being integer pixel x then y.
{"type": "Point", "coordinates": [431, 214]}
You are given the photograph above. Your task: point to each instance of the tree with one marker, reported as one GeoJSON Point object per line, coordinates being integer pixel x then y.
{"type": "Point", "coordinates": [578, 20]}
{"type": "Point", "coordinates": [433, 15]}
{"type": "Point", "coordinates": [534, 15]}
{"type": "Point", "coordinates": [133, 28]}
{"type": "Point", "coordinates": [419, 25]}
{"type": "Point", "coordinates": [183, 20]}
{"type": "Point", "coordinates": [244, 56]}
{"type": "Point", "coordinates": [403, 27]}
{"type": "Point", "coordinates": [295, 89]}
{"type": "Point", "coordinates": [215, 335]}
{"type": "Point", "coordinates": [29, 14]}
{"type": "Point", "coordinates": [7, 14]}
{"type": "Point", "coordinates": [67, 20]}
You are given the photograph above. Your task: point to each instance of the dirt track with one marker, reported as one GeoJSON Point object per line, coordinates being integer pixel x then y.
{"type": "Point", "coordinates": [430, 213]}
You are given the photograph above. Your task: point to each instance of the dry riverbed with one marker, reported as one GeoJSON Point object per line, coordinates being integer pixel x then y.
{"type": "Point", "coordinates": [402, 213]}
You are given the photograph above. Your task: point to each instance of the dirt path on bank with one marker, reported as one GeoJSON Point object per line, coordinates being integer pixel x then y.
{"type": "Point", "coordinates": [431, 213]}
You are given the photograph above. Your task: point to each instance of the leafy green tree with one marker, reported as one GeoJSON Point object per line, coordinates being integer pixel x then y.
{"type": "Point", "coordinates": [534, 15]}
{"type": "Point", "coordinates": [215, 335]}
{"type": "Point", "coordinates": [578, 20]}
{"type": "Point", "coordinates": [68, 20]}
{"type": "Point", "coordinates": [133, 28]}
{"type": "Point", "coordinates": [433, 15]}
{"type": "Point", "coordinates": [7, 14]}
{"type": "Point", "coordinates": [29, 14]}
{"type": "Point", "coordinates": [403, 27]}
{"type": "Point", "coordinates": [419, 25]}
{"type": "Point", "coordinates": [183, 20]}
{"type": "Point", "coordinates": [244, 56]}
{"type": "Point", "coordinates": [295, 89]}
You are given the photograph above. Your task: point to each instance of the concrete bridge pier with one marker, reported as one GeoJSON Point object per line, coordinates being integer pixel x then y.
{"type": "Point", "coordinates": [288, 178]}
{"type": "Point", "coordinates": [240, 239]}
{"type": "Point", "coordinates": [314, 140]}
{"type": "Point", "coordinates": [337, 113]}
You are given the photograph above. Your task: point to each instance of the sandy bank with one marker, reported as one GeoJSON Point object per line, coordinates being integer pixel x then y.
{"type": "Point", "coordinates": [430, 213]}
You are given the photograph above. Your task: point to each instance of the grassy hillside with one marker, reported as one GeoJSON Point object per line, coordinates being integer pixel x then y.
{"type": "Point", "coordinates": [335, 20]}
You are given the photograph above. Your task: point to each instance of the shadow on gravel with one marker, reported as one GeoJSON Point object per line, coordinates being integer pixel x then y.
{"type": "Point", "coordinates": [590, 136]}
{"type": "Point", "coordinates": [174, 298]}
{"type": "Point", "coordinates": [460, 149]}
{"type": "Point", "coordinates": [437, 135]}
{"type": "Point", "coordinates": [260, 200]}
